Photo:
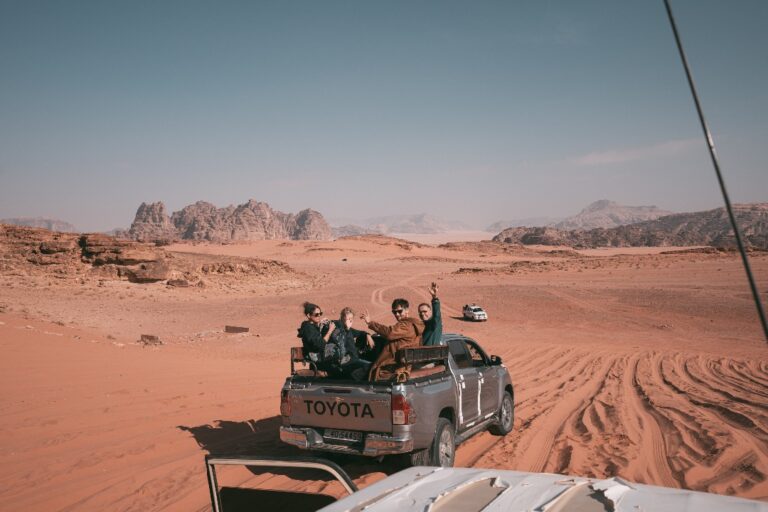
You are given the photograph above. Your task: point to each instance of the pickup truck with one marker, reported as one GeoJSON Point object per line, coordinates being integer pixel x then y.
{"type": "Point", "coordinates": [453, 392]}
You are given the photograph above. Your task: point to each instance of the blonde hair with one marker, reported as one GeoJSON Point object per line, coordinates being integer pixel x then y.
{"type": "Point", "coordinates": [345, 312]}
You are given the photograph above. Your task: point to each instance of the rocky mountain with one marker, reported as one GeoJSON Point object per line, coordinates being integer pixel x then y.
{"type": "Point", "coordinates": [151, 223]}
{"type": "Point", "coordinates": [253, 220]}
{"type": "Point", "coordinates": [41, 222]}
{"type": "Point", "coordinates": [710, 227]}
{"type": "Point", "coordinates": [610, 214]}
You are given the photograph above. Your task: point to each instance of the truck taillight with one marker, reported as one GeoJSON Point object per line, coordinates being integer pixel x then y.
{"type": "Point", "coordinates": [285, 403]}
{"type": "Point", "coordinates": [402, 413]}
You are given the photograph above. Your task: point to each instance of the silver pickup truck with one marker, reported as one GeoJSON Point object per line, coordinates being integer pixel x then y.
{"type": "Point", "coordinates": [452, 393]}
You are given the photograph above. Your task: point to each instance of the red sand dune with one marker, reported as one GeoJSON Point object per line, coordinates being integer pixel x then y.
{"type": "Point", "coordinates": [647, 366]}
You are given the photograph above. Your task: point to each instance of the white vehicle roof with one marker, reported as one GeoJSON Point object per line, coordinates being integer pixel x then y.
{"type": "Point", "coordinates": [468, 489]}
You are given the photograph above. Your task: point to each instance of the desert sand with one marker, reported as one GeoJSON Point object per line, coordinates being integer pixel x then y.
{"type": "Point", "coordinates": [640, 364]}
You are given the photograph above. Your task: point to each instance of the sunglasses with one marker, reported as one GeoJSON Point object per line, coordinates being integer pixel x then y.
{"type": "Point", "coordinates": [423, 311]}
{"type": "Point", "coordinates": [397, 311]}
{"type": "Point", "coordinates": [317, 314]}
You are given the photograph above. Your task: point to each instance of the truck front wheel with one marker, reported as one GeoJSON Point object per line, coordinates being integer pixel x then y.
{"type": "Point", "coordinates": [506, 416]}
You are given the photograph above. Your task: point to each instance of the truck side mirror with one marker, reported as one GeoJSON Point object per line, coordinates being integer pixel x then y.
{"type": "Point", "coordinates": [495, 360]}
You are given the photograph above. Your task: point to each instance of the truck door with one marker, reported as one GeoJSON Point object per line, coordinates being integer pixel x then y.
{"type": "Point", "coordinates": [488, 376]}
{"type": "Point", "coordinates": [467, 383]}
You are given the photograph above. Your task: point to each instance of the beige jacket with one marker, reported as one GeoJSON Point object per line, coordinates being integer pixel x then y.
{"type": "Point", "coordinates": [406, 333]}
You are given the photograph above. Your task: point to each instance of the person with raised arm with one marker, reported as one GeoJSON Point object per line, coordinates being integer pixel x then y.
{"type": "Point", "coordinates": [432, 318]}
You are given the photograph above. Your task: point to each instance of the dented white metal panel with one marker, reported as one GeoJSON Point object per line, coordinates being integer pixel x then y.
{"type": "Point", "coordinates": [420, 489]}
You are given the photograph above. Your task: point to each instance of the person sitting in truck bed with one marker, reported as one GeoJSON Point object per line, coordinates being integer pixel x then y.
{"type": "Point", "coordinates": [432, 318]}
{"type": "Point", "coordinates": [314, 332]}
{"type": "Point", "coordinates": [350, 365]}
{"type": "Point", "coordinates": [405, 333]}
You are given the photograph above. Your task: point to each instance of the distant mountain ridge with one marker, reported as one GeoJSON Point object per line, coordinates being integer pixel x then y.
{"type": "Point", "coordinates": [418, 223]}
{"type": "Point", "coordinates": [253, 220]}
{"type": "Point", "coordinates": [610, 214]}
{"type": "Point", "coordinates": [600, 214]}
{"type": "Point", "coordinates": [352, 230]}
{"type": "Point", "coordinates": [711, 227]}
{"type": "Point", "coordinates": [41, 222]}
{"type": "Point", "coordinates": [527, 221]}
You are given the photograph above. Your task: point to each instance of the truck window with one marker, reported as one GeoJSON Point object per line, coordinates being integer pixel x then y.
{"type": "Point", "coordinates": [476, 355]}
{"type": "Point", "coordinates": [459, 352]}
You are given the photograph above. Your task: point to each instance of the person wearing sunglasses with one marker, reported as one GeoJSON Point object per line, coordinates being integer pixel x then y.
{"type": "Point", "coordinates": [314, 332]}
{"type": "Point", "coordinates": [405, 333]}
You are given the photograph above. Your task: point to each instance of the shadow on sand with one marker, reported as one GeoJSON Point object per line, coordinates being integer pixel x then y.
{"type": "Point", "coordinates": [463, 319]}
{"type": "Point", "coordinates": [262, 438]}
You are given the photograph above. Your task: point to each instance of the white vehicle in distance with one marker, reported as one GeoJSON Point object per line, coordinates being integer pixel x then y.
{"type": "Point", "coordinates": [475, 313]}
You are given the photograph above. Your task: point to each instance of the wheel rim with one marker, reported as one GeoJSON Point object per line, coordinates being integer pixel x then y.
{"type": "Point", "coordinates": [446, 448]}
{"type": "Point", "coordinates": [506, 412]}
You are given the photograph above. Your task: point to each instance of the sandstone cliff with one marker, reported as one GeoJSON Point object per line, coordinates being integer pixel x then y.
{"type": "Point", "coordinates": [253, 220]}
{"type": "Point", "coordinates": [152, 224]}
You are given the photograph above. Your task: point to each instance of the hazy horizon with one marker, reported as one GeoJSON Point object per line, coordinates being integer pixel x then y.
{"type": "Point", "coordinates": [475, 113]}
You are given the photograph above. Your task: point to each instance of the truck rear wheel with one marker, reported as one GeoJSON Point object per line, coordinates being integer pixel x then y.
{"type": "Point", "coordinates": [506, 417]}
{"type": "Point", "coordinates": [444, 445]}
{"type": "Point", "coordinates": [442, 451]}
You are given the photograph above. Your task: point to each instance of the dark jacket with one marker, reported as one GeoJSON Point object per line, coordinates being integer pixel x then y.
{"type": "Point", "coordinates": [433, 328]}
{"type": "Point", "coordinates": [350, 366]}
{"type": "Point", "coordinates": [312, 337]}
{"type": "Point", "coordinates": [347, 338]}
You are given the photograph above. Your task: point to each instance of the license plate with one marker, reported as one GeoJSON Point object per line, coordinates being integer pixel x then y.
{"type": "Point", "coordinates": [343, 435]}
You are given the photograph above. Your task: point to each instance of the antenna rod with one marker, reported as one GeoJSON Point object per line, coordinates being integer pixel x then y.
{"type": "Point", "coordinates": [713, 155]}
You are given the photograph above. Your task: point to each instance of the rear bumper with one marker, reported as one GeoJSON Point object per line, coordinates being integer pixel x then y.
{"type": "Point", "coordinates": [373, 445]}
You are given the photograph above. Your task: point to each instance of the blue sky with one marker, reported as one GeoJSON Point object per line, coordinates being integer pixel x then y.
{"type": "Point", "coordinates": [475, 111]}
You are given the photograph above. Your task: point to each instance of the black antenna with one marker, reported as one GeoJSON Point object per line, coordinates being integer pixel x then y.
{"type": "Point", "coordinates": [713, 155]}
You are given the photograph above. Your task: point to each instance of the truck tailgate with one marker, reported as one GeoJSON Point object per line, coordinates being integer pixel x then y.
{"type": "Point", "coordinates": [341, 407]}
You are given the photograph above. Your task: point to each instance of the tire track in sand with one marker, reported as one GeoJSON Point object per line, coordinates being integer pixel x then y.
{"type": "Point", "coordinates": [538, 435]}
{"type": "Point", "coordinates": [651, 431]}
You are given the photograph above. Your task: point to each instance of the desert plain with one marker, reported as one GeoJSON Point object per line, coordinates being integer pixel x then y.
{"type": "Point", "coordinates": [648, 364]}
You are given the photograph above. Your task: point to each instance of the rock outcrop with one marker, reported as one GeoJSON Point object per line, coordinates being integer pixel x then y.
{"type": "Point", "coordinates": [253, 220]}
{"type": "Point", "coordinates": [681, 229]}
{"type": "Point", "coordinates": [310, 225]}
{"type": "Point", "coordinates": [152, 224]}
{"type": "Point", "coordinates": [40, 252]}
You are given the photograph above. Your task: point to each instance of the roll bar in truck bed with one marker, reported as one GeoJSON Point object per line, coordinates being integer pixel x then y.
{"type": "Point", "coordinates": [251, 461]}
